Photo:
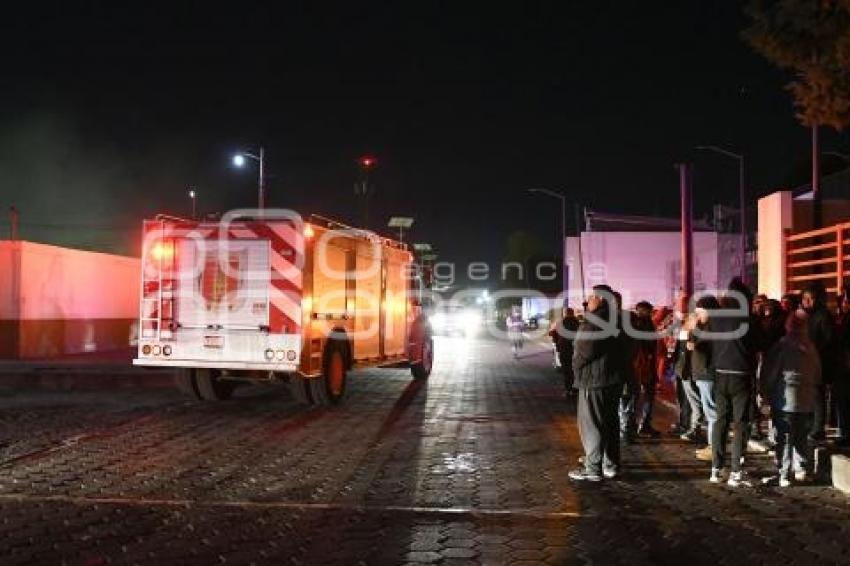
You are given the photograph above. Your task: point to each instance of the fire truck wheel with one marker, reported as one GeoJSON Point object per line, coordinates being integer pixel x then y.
{"type": "Point", "coordinates": [298, 389]}
{"type": "Point", "coordinates": [329, 389]}
{"type": "Point", "coordinates": [185, 380]}
{"type": "Point", "coordinates": [211, 387]}
{"type": "Point", "coordinates": [422, 368]}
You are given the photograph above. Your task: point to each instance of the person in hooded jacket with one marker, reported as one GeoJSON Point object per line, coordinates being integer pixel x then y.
{"type": "Point", "coordinates": [563, 335]}
{"type": "Point", "coordinates": [599, 370]}
{"type": "Point", "coordinates": [639, 392]}
{"type": "Point", "coordinates": [821, 331]}
{"type": "Point", "coordinates": [790, 378]}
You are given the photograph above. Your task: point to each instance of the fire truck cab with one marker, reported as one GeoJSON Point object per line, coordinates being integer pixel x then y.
{"type": "Point", "coordinates": [277, 299]}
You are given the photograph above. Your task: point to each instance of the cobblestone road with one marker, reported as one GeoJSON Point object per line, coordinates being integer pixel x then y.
{"type": "Point", "coordinates": [469, 467]}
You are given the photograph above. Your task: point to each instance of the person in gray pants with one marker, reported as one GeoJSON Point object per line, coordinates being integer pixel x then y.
{"type": "Point", "coordinates": [599, 368]}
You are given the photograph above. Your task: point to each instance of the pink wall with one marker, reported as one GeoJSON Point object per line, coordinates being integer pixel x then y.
{"type": "Point", "coordinates": [65, 283]}
{"type": "Point", "coordinates": [56, 301]}
{"type": "Point", "coordinates": [646, 265]}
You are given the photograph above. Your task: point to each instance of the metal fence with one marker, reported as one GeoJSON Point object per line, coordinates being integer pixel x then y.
{"type": "Point", "coordinates": [817, 255]}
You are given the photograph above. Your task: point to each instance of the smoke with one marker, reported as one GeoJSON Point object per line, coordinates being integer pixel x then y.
{"type": "Point", "coordinates": [67, 190]}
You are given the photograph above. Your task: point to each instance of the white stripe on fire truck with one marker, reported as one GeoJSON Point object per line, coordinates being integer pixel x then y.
{"type": "Point", "coordinates": [242, 233]}
{"type": "Point", "coordinates": [287, 233]}
{"type": "Point", "coordinates": [287, 271]}
{"type": "Point", "coordinates": [288, 302]}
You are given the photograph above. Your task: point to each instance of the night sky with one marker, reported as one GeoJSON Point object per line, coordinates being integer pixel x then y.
{"type": "Point", "coordinates": [109, 114]}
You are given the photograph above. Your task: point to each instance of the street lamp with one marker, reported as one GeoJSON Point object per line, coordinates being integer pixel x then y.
{"type": "Point", "coordinates": [563, 199]}
{"type": "Point", "coordinates": [742, 252]}
{"type": "Point", "coordinates": [194, 196]}
{"type": "Point", "coordinates": [402, 223]}
{"type": "Point", "coordinates": [239, 161]}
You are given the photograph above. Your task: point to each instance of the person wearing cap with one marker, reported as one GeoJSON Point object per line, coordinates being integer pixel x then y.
{"type": "Point", "coordinates": [599, 370]}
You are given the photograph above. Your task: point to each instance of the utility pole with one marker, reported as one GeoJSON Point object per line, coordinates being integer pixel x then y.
{"type": "Point", "coordinates": [262, 180]}
{"type": "Point", "coordinates": [687, 232]}
{"type": "Point", "coordinates": [363, 189]}
{"type": "Point", "coordinates": [13, 223]}
{"type": "Point", "coordinates": [580, 258]}
{"type": "Point", "coordinates": [817, 202]}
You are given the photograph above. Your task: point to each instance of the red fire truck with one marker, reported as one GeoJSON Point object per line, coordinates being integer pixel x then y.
{"type": "Point", "coordinates": [277, 299]}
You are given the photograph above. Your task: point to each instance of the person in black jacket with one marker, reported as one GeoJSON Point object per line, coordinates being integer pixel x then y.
{"type": "Point", "coordinates": [599, 369]}
{"type": "Point", "coordinates": [563, 335]}
{"type": "Point", "coordinates": [822, 334]}
{"type": "Point", "coordinates": [702, 370]}
{"type": "Point", "coordinates": [735, 341]}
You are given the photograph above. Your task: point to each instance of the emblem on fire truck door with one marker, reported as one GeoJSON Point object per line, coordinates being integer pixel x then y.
{"type": "Point", "coordinates": [221, 285]}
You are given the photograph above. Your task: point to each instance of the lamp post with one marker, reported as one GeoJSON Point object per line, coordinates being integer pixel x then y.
{"type": "Point", "coordinates": [194, 196]}
{"type": "Point", "coordinates": [402, 223]}
{"type": "Point", "coordinates": [742, 202]}
{"type": "Point", "coordinates": [363, 189]}
{"type": "Point", "coordinates": [563, 199]}
{"type": "Point", "coordinates": [239, 161]}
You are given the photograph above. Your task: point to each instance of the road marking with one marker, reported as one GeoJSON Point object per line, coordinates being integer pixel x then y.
{"type": "Point", "coordinates": [262, 505]}
{"type": "Point", "coordinates": [452, 513]}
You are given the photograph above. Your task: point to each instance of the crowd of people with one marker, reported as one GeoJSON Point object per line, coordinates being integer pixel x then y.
{"type": "Point", "coordinates": [743, 366]}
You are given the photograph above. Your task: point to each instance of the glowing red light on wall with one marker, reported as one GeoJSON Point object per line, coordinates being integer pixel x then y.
{"type": "Point", "coordinates": [367, 162]}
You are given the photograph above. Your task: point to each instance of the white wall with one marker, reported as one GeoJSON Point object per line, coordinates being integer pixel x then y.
{"type": "Point", "coordinates": [775, 215]}
{"type": "Point", "coordinates": [647, 265]}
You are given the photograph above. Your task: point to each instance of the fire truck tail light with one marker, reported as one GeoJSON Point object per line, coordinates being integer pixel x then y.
{"type": "Point", "coordinates": [280, 355]}
{"type": "Point", "coordinates": [269, 354]}
{"type": "Point", "coordinates": [156, 350]}
{"type": "Point", "coordinates": [290, 355]}
{"type": "Point", "coordinates": [166, 350]}
{"type": "Point", "coordinates": [162, 251]}
{"type": "Point", "coordinates": [146, 349]}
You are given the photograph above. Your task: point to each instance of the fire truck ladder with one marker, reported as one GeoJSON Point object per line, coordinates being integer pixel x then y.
{"type": "Point", "coordinates": [154, 307]}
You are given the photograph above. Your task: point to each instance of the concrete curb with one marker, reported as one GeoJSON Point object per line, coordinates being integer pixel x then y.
{"type": "Point", "coordinates": [840, 472]}
{"type": "Point", "coordinates": [82, 377]}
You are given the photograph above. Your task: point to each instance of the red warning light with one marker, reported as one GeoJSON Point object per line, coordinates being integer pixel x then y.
{"type": "Point", "coordinates": [367, 162]}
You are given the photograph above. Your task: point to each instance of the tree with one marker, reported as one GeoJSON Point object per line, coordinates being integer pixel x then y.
{"type": "Point", "coordinates": [521, 249]}
{"type": "Point", "coordinates": [810, 38]}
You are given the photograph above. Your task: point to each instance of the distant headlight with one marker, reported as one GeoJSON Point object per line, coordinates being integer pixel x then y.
{"type": "Point", "coordinates": [471, 321]}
